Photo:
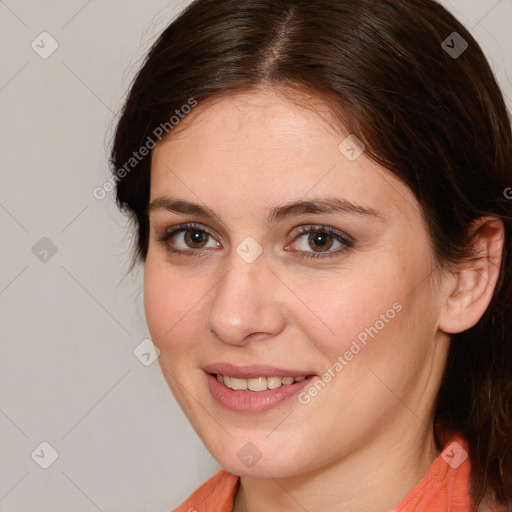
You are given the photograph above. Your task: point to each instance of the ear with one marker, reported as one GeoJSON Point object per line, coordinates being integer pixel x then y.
{"type": "Point", "coordinates": [473, 282]}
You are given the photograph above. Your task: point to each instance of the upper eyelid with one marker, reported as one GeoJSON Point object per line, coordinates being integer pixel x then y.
{"type": "Point", "coordinates": [184, 227]}
{"type": "Point", "coordinates": [321, 227]}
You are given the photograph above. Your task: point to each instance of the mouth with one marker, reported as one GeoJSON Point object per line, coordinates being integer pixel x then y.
{"type": "Point", "coordinates": [255, 388]}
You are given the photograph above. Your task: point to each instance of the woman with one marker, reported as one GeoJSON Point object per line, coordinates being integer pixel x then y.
{"type": "Point", "coordinates": [319, 192]}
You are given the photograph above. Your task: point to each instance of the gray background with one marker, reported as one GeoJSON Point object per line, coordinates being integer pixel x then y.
{"type": "Point", "coordinates": [70, 321]}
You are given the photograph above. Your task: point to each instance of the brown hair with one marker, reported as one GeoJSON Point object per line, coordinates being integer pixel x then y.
{"type": "Point", "coordinates": [436, 120]}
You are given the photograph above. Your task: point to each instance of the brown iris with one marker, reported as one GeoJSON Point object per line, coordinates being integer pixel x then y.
{"type": "Point", "coordinates": [319, 238]}
{"type": "Point", "coordinates": [194, 237]}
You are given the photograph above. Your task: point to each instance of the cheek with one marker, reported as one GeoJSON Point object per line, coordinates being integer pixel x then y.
{"type": "Point", "coordinates": [352, 306]}
{"type": "Point", "coordinates": [171, 305]}
{"type": "Point", "coordinates": [383, 334]}
{"type": "Point", "coordinates": [372, 320]}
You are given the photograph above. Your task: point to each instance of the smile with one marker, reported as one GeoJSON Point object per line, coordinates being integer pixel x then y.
{"type": "Point", "coordinates": [253, 389]}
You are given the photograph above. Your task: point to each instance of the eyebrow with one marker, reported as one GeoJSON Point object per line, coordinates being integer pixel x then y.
{"type": "Point", "coordinates": [323, 205]}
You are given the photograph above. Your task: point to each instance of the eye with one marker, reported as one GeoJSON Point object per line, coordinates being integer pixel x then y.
{"type": "Point", "coordinates": [322, 239]}
{"type": "Point", "coordinates": [187, 237]}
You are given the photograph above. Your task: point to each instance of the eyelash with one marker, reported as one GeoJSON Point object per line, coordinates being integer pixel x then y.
{"type": "Point", "coordinates": [344, 240]}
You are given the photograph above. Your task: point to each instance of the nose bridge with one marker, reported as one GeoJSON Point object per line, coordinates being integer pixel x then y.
{"type": "Point", "coordinates": [243, 302]}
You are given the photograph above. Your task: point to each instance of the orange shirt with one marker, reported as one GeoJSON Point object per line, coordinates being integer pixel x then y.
{"type": "Point", "coordinates": [443, 489]}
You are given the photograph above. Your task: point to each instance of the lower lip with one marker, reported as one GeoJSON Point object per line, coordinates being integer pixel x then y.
{"type": "Point", "coordinates": [253, 401]}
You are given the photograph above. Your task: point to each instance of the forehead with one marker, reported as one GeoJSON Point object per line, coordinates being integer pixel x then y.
{"type": "Point", "coordinates": [261, 149]}
{"type": "Point", "coordinates": [259, 120]}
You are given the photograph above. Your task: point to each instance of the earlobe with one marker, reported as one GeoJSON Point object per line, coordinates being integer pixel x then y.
{"type": "Point", "coordinates": [475, 280]}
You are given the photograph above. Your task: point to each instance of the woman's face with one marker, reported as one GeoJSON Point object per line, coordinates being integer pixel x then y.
{"type": "Point", "coordinates": [259, 288]}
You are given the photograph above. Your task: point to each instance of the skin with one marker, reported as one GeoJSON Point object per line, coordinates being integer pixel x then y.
{"type": "Point", "coordinates": [366, 439]}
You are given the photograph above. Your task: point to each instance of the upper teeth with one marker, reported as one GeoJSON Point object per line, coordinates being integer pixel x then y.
{"type": "Point", "coordinates": [258, 383]}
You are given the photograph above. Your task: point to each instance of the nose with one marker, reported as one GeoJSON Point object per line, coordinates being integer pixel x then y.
{"type": "Point", "coordinates": [246, 304]}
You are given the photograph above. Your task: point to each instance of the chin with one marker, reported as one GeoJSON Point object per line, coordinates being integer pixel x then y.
{"type": "Point", "coordinates": [245, 463]}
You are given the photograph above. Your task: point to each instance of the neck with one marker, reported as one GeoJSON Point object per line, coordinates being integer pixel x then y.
{"type": "Point", "coordinates": [374, 478]}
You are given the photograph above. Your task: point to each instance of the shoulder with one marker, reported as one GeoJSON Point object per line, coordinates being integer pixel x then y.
{"type": "Point", "coordinates": [215, 495]}
{"type": "Point", "coordinates": [445, 486]}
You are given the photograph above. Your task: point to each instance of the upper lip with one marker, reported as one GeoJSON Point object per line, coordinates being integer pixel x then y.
{"type": "Point", "coordinates": [253, 371]}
